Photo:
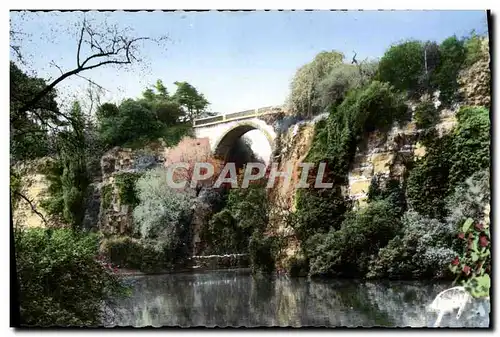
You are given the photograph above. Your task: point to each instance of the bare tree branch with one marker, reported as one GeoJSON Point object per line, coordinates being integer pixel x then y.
{"type": "Point", "coordinates": [33, 208]}
{"type": "Point", "coordinates": [119, 50]}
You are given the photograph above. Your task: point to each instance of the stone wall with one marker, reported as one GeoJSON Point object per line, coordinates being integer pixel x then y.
{"type": "Point", "coordinates": [115, 216]}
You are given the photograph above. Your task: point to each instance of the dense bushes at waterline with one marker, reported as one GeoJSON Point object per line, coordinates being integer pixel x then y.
{"type": "Point", "coordinates": [138, 254]}
{"type": "Point", "coordinates": [61, 281]}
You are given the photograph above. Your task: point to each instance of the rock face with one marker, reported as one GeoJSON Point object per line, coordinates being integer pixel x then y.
{"type": "Point", "coordinates": [475, 80]}
{"type": "Point", "coordinates": [115, 215]}
{"type": "Point", "coordinates": [34, 188]}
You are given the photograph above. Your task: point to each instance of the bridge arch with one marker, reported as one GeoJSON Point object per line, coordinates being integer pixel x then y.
{"type": "Point", "coordinates": [223, 145]}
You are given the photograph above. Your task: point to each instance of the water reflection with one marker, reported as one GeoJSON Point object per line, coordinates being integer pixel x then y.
{"type": "Point", "coordinates": [235, 298]}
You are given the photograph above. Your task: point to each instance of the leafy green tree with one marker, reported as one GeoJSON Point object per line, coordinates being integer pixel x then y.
{"type": "Point", "coordinates": [30, 130]}
{"type": "Point", "coordinates": [133, 121]}
{"type": "Point", "coordinates": [192, 102]}
{"type": "Point", "coordinates": [304, 96]}
{"type": "Point", "coordinates": [403, 65]}
{"type": "Point", "coordinates": [452, 57]}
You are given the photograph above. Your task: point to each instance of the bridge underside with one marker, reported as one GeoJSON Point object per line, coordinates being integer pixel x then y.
{"type": "Point", "coordinates": [229, 140]}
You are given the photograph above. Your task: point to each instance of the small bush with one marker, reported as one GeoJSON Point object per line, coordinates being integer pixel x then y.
{"type": "Point", "coordinates": [262, 251]}
{"type": "Point", "coordinates": [426, 115]}
{"type": "Point", "coordinates": [125, 183]}
{"type": "Point", "coordinates": [143, 255]}
{"type": "Point", "coordinates": [61, 282]}
{"type": "Point", "coordinates": [298, 266]}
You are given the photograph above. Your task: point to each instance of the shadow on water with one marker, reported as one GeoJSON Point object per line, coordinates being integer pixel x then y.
{"type": "Point", "coordinates": [235, 298]}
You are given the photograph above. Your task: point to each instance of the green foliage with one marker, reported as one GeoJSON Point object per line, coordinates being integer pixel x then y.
{"type": "Point", "coordinates": [15, 187]}
{"type": "Point", "coordinates": [471, 144]}
{"type": "Point", "coordinates": [421, 250]}
{"type": "Point", "coordinates": [53, 204]}
{"type": "Point", "coordinates": [223, 235]}
{"type": "Point", "coordinates": [67, 174]}
{"type": "Point", "coordinates": [191, 101]}
{"type": "Point", "coordinates": [473, 49]}
{"type": "Point", "coordinates": [427, 184]}
{"type": "Point", "coordinates": [125, 182]}
{"type": "Point", "coordinates": [298, 266]}
{"type": "Point", "coordinates": [304, 96]}
{"type": "Point", "coordinates": [376, 106]}
{"type": "Point", "coordinates": [341, 79]}
{"type": "Point", "coordinates": [144, 255]}
{"type": "Point", "coordinates": [172, 135]}
{"type": "Point", "coordinates": [426, 115]}
{"type": "Point", "coordinates": [134, 120]}
{"type": "Point", "coordinates": [262, 250]}
{"type": "Point", "coordinates": [246, 211]}
{"type": "Point", "coordinates": [452, 57]}
{"type": "Point", "coordinates": [403, 66]}
{"type": "Point", "coordinates": [391, 190]}
{"type": "Point", "coordinates": [163, 213]}
{"type": "Point", "coordinates": [61, 282]}
{"type": "Point", "coordinates": [107, 196]}
{"type": "Point", "coordinates": [29, 137]}
{"type": "Point", "coordinates": [474, 265]}
{"type": "Point", "coordinates": [346, 251]}
{"type": "Point", "coordinates": [449, 161]}
{"type": "Point", "coordinates": [469, 199]}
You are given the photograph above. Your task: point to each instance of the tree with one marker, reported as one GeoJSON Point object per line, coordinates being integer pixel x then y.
{"type": "Point", "coordinates": [192, 102]}
{"type": "Point", "coordinates": [403, 65]}
{"type": "Point", "coordinates": [303, 90]}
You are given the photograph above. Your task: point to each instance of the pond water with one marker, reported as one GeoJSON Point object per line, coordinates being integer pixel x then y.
{"type": "Point", "coordinates": [236, 298]}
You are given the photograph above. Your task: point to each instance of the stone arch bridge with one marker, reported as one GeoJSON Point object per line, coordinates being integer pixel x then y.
{"type": "Point", "coordinates": [223, 130]}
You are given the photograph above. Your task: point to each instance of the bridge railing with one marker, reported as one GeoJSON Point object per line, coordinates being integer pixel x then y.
{"type": "Point", "coordinates": [233, 116]}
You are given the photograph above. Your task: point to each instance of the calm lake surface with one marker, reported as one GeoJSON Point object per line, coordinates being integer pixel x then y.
{"type": "Point", "coordinates": [236, 298]}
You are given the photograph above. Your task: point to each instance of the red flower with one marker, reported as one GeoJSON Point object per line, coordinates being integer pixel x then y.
{"type": "Point", "coordinates": [455, 261]}
{"type": "Point", "coordinates": [461, 235]}
{"type": "Point", "coordinates": [466, 270]}
{"type": "Point", "coordinates": [483, 241]}
{"type": "Point", "coordinates": [115, 270]}
{"type": "Point", "coordinates": [479, 226]}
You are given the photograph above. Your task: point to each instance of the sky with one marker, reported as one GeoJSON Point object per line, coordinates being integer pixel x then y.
{"type": "Point", "coordinates": [238, 60]}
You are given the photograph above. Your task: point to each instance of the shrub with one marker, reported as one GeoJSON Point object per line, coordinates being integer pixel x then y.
{"type": "Point", "coordinates": [223, 235]}
{"type": "Point", "coordinates": [298, 266]}
{"type": "Point", "coordinates": [426, 115]}
{"type": "Point", "coordinates": [471, 144]}
{"type": "Point", "coordinates": [262, 250]}
{"type": "Point", "coordinates": [469, 199]}
{"type": "Point", "coordinates": [427, 184]}
{"type": "Point", "coordinates": [163, 213]}
{"type": "Point", "coordinates": [346, 251]}
{"type": "Point", "coordinates": [61, 282]}
{"type": "Point", "coordinates": [246, 211]}
{"type": "Point", "coordinates": [125, 182]}
{"type": "Point", "coordinates": [473, 267]}
{"type": "Point", "coordinates": [421, 250]}
{"type": "Point", "coordinates": [143, 255]}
